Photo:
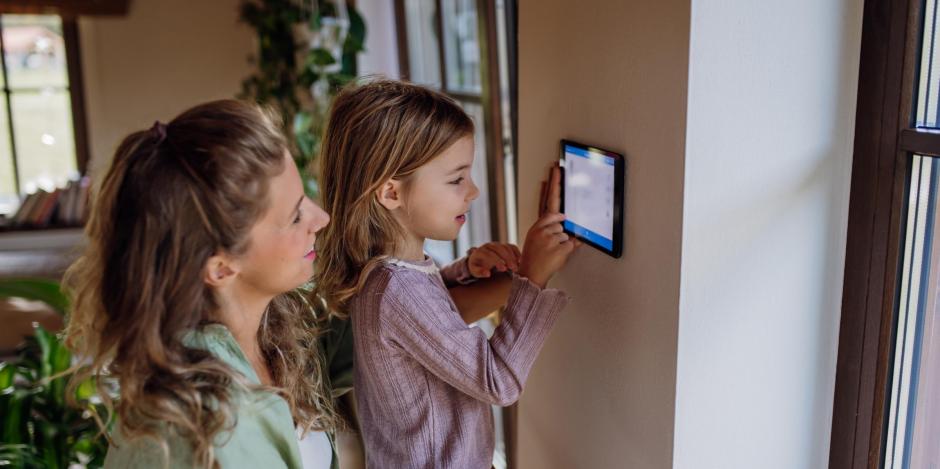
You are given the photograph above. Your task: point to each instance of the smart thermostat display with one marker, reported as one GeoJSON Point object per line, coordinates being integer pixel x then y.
{"type": "Point", "coordinates": [592, 195]}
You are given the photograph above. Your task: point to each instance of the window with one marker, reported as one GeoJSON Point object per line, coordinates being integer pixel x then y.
{"type": "Point", "coordinates": [42, 145]}
{"type": "Point", "coordinates": [886, 413]}
{"type": "Point", "coordinates": [913, 414]}
{"type": "Point", "coordinates": [460, 48]}
{"type": "Point", "coordinates": [466, 49]}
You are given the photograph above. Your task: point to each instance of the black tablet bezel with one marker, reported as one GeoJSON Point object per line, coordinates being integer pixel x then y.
{"type": "Point", "coordinates": [619, 176]}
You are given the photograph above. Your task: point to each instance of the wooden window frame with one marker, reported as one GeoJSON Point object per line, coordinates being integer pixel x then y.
{"type": "Point", "coordinates": [885, 138]}
{"type": "Point", "coordinates": [76, 88]}
{"type": "Point", "coordinates": [70, 8]}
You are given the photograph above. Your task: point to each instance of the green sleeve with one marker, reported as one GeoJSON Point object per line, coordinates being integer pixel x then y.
{"type": "Point", "coordinates": [338, 350]}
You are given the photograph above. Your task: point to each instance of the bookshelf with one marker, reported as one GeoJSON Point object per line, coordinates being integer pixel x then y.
{"type": "Point", "coordinates": [53, 239]}
{"type": "Point", "coordinates": [65, 207]}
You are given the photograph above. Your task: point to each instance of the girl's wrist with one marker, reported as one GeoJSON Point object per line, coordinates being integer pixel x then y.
{"type": "Point", "coordinates": [540, 280]}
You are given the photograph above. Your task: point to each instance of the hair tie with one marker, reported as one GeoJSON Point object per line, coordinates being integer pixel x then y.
{"type": "Point", "coordinates": [159, 129]}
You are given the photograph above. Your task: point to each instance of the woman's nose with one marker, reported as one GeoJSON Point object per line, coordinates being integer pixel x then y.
{"type": "Point", "coordinates": [320, 218]}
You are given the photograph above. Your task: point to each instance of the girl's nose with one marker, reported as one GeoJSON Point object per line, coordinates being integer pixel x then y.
{"type": "Point", "coordinates": [474, 191]}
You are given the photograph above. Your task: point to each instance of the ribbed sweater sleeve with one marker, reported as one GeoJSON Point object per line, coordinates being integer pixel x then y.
{"type": "Point", "coordinates": [421, 321]}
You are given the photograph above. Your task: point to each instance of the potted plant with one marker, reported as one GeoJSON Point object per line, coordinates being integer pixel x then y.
{"type": "Point", "coordinates": [39, 427]}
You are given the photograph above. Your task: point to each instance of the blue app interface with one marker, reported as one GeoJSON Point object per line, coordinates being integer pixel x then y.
{"type": "Point", "coordinates": [589, 195]}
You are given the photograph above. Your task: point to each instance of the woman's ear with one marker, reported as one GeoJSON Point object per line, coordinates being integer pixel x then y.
{"type": "Point", "coordinates": [220, 271]}
{"type": "Point", "coordinates": [389, 194]}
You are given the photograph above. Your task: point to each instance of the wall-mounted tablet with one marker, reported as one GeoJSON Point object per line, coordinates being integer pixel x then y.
{"type": "Point", "coordinates": [592, 195]}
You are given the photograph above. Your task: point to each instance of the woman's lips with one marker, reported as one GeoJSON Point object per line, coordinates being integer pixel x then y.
{"type": "Point", "coordinates": [462, 218]}
{"type": "Point", "coordinates": [311, 255]}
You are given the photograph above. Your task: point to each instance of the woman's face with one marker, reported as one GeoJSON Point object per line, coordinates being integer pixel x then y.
{"type": "Point", "coordinates": [281, 249]}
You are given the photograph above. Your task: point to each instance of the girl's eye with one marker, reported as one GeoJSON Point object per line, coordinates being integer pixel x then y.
{"type": "Point", "coordinates": [456, 181]}
{"type": "Point", "coordinates": [297, 218]}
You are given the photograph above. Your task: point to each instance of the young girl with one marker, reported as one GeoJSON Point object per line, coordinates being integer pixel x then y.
{"type": "Point", "coordinates": [396, 164]}
{"type": "Point", "coordinates": [199, 232]}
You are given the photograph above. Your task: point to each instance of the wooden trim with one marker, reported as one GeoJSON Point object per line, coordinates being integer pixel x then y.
{"type": "Point", "coordinates": [920, 141]}
{"type": "Point", "coordinates": [510, 435]}
{"type": "Point", "coordinates": [492, 112]}
{"type": "Point", "coordinates": [66, 7]}
{"type": "Point", "coordinates": [76, 92]}
{"type": "Point", "coordinates": [879, 179]}
{"type": "Point", "coordinates": [441, 54]}
{"type": "Point", "coordinates": [8, 105]}
{"type": "Point", "coordinates": [511, 413]}
{"type": "Point", "coordinates": [496, 177]}
{"type": "Point", "coordinates": [512, 63]}
{"type": "Point", "coordinates": [462, 96]}
{"type": "Point", "coordinates": [401, 33]}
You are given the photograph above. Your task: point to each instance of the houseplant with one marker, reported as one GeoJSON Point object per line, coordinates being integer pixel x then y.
{"type": "Point", "coordinates": [39, 427]}
{"type": "Point", "coordinates": [307, 50]}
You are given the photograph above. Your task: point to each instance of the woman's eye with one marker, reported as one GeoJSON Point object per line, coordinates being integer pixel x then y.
{"type": "Point", "coordinates": [297, 218]}
{"type": "Point", "coordinates": [456, 181]}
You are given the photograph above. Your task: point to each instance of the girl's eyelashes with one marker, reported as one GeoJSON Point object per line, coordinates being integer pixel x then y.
{"type": "Point", "coordinates": [456, 181]}
{"type": "Point", "coordinates": [297, 218]}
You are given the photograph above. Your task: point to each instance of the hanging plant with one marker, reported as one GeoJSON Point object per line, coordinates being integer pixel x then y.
{"type": "Point", "coordinates": [307, 51]}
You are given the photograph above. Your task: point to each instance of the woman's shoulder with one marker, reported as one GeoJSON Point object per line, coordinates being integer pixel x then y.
{"type": "Point", "coordinates": [218, 340]}
{"type": "Point", "coordinates": [262, 434]}
{"type": "Point", "coordinates": [162, 450]}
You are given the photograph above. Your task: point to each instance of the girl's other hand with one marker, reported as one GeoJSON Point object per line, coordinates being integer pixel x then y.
{"type": "Point", "coordinates": [500, 257]}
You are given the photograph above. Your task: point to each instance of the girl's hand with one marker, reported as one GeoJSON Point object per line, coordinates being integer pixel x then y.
{"type": "Point", "coordinates": [500, 257]}
{"type": "Point", "coordinates": [547, 247]}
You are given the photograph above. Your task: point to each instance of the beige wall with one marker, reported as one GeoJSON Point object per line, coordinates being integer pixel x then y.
{"type": "Point", "coordinates": [613, 74]}
{"type": "Point", "coordinates": [163, 57]}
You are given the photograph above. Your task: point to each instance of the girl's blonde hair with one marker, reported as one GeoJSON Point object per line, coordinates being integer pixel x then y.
{"type": "Point", "coordinates": [174, 196]}
{"type": "Point", "coordinates": [377, 131]}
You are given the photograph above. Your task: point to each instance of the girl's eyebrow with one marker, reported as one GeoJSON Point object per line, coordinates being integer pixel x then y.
{"type": "Point", "coordinates": [459, 169]}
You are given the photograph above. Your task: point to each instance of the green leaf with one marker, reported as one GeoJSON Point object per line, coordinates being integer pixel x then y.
{"type": "Point", "coordinates": [85, 390]}
{"type": "Point", "coordinates": [320, 57]}
{"type": "Point", "coordinates": [13, 420]}
{"type": "Point", "coordinates": [307, 77]}
{"type": "Point", "coordinates": [19, 456]}
{"type": "Point", "coordinates": [7, 372]}
{"type": "Point", "coordinates": [61, 357]}
{"type": "Point", "coordinates": [356, 37]}
{"type": "Point", "coordinates": [339, 80]}
{"type": "Point", "coordinates": [46, 343]}
{"type": "Point", "coordinates": [47, 291]}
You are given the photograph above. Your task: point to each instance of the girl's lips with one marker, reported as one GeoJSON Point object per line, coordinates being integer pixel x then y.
{"type": "Point", "coordinates": [462, 218]}
{"type": "Point", "coordinates": [311, 255]}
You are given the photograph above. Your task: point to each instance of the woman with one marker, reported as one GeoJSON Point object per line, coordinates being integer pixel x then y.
{"type": "Point", "coordinates": [186, 296]}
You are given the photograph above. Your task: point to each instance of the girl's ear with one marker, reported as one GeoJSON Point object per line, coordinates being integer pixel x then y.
{"type": "Point", "coordinates": [220, 270]}
{"type": "Point", "coordinates": [389, 194]}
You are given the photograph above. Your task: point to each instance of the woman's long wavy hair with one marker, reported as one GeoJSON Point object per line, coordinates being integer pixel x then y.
{"type": "Point", "coordinates": [174, 196]}
{"type": "Point", "coordinates": [377, 131]}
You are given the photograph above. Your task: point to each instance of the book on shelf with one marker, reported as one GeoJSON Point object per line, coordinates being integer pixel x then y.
{"type": "Point", "coordinates": [64, 206]}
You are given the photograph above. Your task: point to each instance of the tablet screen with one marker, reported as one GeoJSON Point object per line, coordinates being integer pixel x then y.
{"type": "Point", "coordinates": [589, 194]}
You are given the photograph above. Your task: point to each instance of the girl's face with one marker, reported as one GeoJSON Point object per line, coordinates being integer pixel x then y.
{"type": "Point", "coordinates": [281, 253]}
{"type": "Point", "coordinates": [437, 197]}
